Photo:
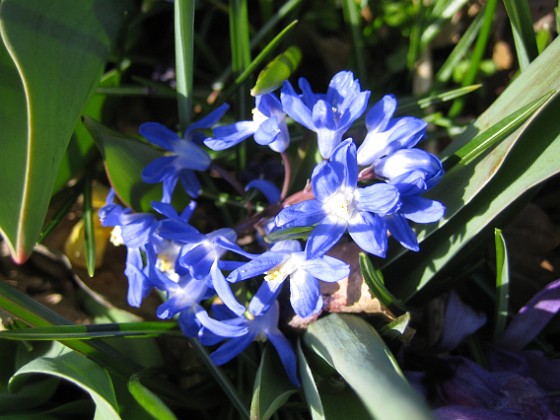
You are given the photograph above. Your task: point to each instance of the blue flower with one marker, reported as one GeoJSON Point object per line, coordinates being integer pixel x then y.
{"type": "Point", "coordinates": [200, 256]}
{"type": "Point", "coordinates": [412, 207]}
{"type": "Point", "coordinates": [185, 157]}
{"type": "Point", "coordinates": [387, 134]}
{"type": "Point", "coordinates": [240, 331]}
{"type": "Point", "coordinates": [330, 115]}
{"type": "Point", "coordinates": [137, 232]}
{"type": "Point", "coordinates": [286, 260]}
{"type": "Point", "coordinates": [340, 206]}
{"type": "Point", "coordinates": [268, 127]}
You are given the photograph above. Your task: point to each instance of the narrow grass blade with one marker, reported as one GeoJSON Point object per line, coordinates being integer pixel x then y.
{"type": "Point", "coordinates": [481, 143]}
{"type": "Point", "coordinates": [408, 105]}
{"type": "Point", "coordinates": [184, 53]}
{"type": "Point", "coordinates": [62, 211]}
{"type": "Point", "coordinates": [89, 332]}
{"type": "Point", "coordinates": [460, 51]}
{"type": "Point", "coordinates": [148, 400]}
{"type": "Point", "coordinates": [89, 233]}
{"type": "Point", "coordinates": [240, 47]}
{"type": "Point", "coordinates": [478, 53]}
{"type": "Point", "coordinates": [374, 279]}
{"type": "Point", "coordinates": [523, 33]}
{"type": "Point", "coordinates": [502, 284]}
{"type": "Point", "coordinates": [351, 13]}
{"type": "Point", "coordinates": [222, 380]}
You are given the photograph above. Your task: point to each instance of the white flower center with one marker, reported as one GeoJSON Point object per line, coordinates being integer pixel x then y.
{"type": "Point", "coordinates": [258, 116]}
{"type": "Point", "coordinates": [116, 236]}
{"type": "Point", "coordinates": [341, 204]}
{"type": "Point", "coordinates": [285, 268]}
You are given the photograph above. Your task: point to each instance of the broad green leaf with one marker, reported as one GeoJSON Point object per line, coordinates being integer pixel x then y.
{"type": "Point", "coordinates": [34, 394]}
{"type": "Point", "coordinates": [53, 55]}
{"type": "Point", "coordinates": [81, 149]}
{"type": "Point", "coordinates": [125, 158]}
{"type": "Point", "coordinates": [522, 28]}
{"type": "Point", "coordinates": [61, 362]}
{"type": "Point", "coordinates": [533, 160]}
{"type": "Point", "coordinates": [272, 387]}
{"type": "Point", "coordinates": [397, 329]}
{"type": "Point", "coordinates": [502, 284]}
{"type": "Point", "coordinates": [328, 397]}
{"type": "Point", "coordinates": [148, 400]}
{"type": "Point", "coordinates": [357, 352]}
{"type": "Point", "coordinates": [278, 70]}
{"type": "Point", "coordinates": [462, 184]}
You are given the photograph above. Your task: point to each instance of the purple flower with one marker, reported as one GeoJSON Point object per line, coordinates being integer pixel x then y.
{"type": "Point", "coordinates": [340, 206]}
{"type": "Point", "coordinates": [240, 331]}
{"type": "Point", "coordinates": [185, 157]}
{"type": "Point", "coordinates": [268, 127]}
{"type": "Point", "coordinates": [286, 260]}
{"type": "Point", "coordinates": [329, 115]}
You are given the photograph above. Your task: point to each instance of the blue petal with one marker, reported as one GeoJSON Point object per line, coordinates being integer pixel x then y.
{"type": "Point", "coordinates": [269, 105]}
{"type": "Point", "coordinates": [189, 323]}
{"type": "Point", "coordinates": [406, 160]}
{"type": "Point", "coordinates": [191, 156]}
{"type": "Point", "coordinates": [266, 295]}
{"type": "Point", "coordinates": [326, 268]}
{"type": "Point", "coordinates": [305, 295]}
{"type": "Point", "coordinates": [209, 120]}
{"type": "Point", "coordinates": [378, 198]}
{"type": "Point", "coordinates": [345, 154]}
{"type": "Point", "coordinates": [224, 291]}
{"type": "Point", "coordinates": [267, 132]}
{"type": "Point", "coordinates": [137, 228]}
{"type": "Point", "coordinates": [325, 235]}
{"type": "Point", "coordinates": [369, 231]}
{"type": "Point", "coordinates": [190, 182]}
{"type": "Point", "coordinates": [256, 267]}
{"type": "Point", "coordinates": [179, 232]}
{"type": "Point", "coordinates": [159, 135]}
{"type": "Point", "coordinates": [221, 328]}
{"type": "Point", "coordinates": [422, 210]}
{"type": "Point", "coordinates": [379, 115]}
{"type": "Point", "coordinates": [326, 180]}
{"type": "Point", "coordinates": [198, 259]}
{"type": "Point", "coordinates": [402, 232]}
{"type": "Point", "coordinates": [158, 169]}
{"type": "Point", "coordinates": [323, 116]}
{"type": "Point", "coordinates": [294, 106]}
{"type": "Point", "coordinates": [139, 285]}
{"type": "Point", "coordinates": [270, 190]}
{"type": "Point", "coordinates": [229, 135]}
{"type": "Point", "coordinates": [230, 349]}
{"type": "Point", "coordinates": [288, 246]}
{"type": "Point", "coordinates": [286, 353]}
{"type": "Point", "coordinates": [304, 213]}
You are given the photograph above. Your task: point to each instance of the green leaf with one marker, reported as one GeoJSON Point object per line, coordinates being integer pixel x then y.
{"type": "Point", "coordinates": [81, 149]}
{"type": "Point", "coordinates": [148, 400]}
{"type": "Point", "coordinates": [34, 394]}
{"type": "Point", "coordinates": [88, 332]}
{"type": "Point", "coordinates": [352, 347]}
{"type": "Point", "coordinates": [184, 56]}
{"type": "Point", "coordinates": [61, 362]}
{"type": "Point", "coordinates": [125, 158]}
{"type": "Point", "coordinates": [523, 33]}
{"type": "Point", "coordinates": [328, 397]}
{"type": "Point", "coordinates": [374, 279]}
{"type": "Point", "coordinates": [287, 234]}
{"type": "Point", "coordinates": [502, 284]}
{"type": "Point", "coordinates": [278, 70]}
{"type": "Point", "coordinates": [52, 56]}
{"type": "Point", "coordinates": [533, 160]}
{"type": "Point", "coordinates": [272, 387]}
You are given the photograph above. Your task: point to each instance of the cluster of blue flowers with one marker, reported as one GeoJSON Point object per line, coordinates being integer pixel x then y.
{"type": "Point", "coordinates": [367, 191]}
